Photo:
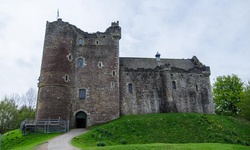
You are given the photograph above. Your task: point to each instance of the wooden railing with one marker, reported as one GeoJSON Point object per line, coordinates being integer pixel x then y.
{"type": "Point", "coordinates": [46, 126]}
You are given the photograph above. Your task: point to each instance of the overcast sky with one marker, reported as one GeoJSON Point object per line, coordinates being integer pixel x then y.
{"type": "Point", "coordinates": [216, 31]}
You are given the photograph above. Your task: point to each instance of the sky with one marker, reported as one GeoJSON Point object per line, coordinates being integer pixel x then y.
{"type": "Point", "coordinates": [216, 31]}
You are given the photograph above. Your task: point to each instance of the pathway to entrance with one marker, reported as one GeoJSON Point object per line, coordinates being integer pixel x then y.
{"type": "Point", "coordinates": [62, 142]}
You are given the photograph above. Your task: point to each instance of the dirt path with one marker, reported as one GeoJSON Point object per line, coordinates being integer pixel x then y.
{"type": "Point", "coordinates": [62, 142]}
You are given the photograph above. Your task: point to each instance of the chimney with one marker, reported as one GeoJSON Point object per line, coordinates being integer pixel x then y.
{"type": "Point", "coordinates": [157, 56]}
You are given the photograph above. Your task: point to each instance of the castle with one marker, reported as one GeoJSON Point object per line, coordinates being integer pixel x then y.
{"type": "Point", "coordinates": [84, 80]}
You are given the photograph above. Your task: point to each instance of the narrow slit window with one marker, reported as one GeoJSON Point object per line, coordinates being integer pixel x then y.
{"type": "Point", "coordinates": [130, 88]}
{"type": "Point", "coordinates": [114, 73]}
{"type": "Point", "coordinates": [66, 78]}
{"type": "Point", "coordinates": [80, 62]}
{"type": "Point", "coordinates": [69, 57]}
{"type": "Point", "coordinates": [112, 84]}
{"type": "Point", "coordinates": [82, 94]}
{"type": "Point", "coordinates": [173, 84]}
{"type": "Point", "coordinates": [100, 65]}
{"type": "Point", "coordinates": [197, 88]}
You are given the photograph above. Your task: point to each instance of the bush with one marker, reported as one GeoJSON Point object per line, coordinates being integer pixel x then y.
{"type": "Point", "coordinates": [101, 144]}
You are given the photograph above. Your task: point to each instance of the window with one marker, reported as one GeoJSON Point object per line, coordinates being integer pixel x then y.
{"type": "Point", "coordinates": [130, 88]}
{"type": "Point", "coordinates": [112, 84]}
{"type": "Point", "coordinates": [173, 85]}
{"type": "Point", "coordinates": [66, 78]}
{"type": "Point", "coordinates": [197, 88]}
{"type": "Point", "coordinates": [82, 94]}
{"type": "Point", "coordinates": [80, 42]}
{"type": "Point", "coordinates": [113, 73]}
{"type": "Point", "coordinates": [80, 62]}
{"type": "Point", "coordinates": [69, 57]}
{"type": "Point", "coordinates": [100, 65]}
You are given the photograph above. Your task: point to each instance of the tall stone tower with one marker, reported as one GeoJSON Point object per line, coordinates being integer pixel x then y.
{"type": "Point", "coordinates": [79, 78]}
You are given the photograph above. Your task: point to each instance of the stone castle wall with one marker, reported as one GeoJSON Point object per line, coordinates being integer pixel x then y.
{"type": "Point", "coordinates": [162, 87]}
{"type": "Point", "coordinates": [84, 80]}
{"type": "Point", "coordinates": [62, 77]}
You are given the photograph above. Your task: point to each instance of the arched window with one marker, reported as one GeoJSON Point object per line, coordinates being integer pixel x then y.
{"type": "Point", "coordinates": [173, 85]}
{"type": "Point", "coordinates": [130, 88]}
{"type": "Point", "coordinates": [80, 42]}
{"type": "Point", "coordinates": [82, 94]}
{"type": "Point", "coordinates": [80, 62]}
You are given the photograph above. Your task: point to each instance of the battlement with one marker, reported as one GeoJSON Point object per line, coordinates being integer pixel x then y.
{"type": "Point", "coordinates": [84, 80]}
{"type": "Point", "coordinates": [114, 24]}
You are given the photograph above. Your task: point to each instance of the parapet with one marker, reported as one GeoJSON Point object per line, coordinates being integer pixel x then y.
{"type": "Point", "coordinates": [115, 30]}
{"type": "Point", "coordinates": [114, 24]}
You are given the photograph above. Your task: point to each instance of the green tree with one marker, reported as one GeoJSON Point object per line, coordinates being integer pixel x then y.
{"type": "Point", "coordinates": [8, 115]}
{"type": "Point", "coordinates": [227, 92]}
{"type": "Point", "coordinates": [25, 113]}
{"type": "Point", "coordinates": [244, 104]}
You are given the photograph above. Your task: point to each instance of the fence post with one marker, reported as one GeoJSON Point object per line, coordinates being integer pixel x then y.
{"type": "Point", "coordinates": [0, 140]}
{"type": "Point", "coordinates": [67, 125]}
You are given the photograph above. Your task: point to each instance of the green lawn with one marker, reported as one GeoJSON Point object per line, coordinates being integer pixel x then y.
{"type": "Point", "coordinates": [14, 140]}
{"type": "Point", "coordinates": [152, 131]}
{"type": "Point", "coordinates": [176, 128]}
{"type": "Point", "coordinates": [162, 146]}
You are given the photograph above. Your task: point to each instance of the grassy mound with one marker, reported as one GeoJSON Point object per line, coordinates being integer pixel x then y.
{"type": "Point", "coordinates": [163, 146]}
{"type": "Point", "coordinates": [16, 141]}
{"type": "Point", "coordinates": [167, 128]}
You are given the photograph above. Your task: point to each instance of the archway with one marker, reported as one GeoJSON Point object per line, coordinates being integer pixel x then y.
{"type": "Point", "coordinates": [81, 119]}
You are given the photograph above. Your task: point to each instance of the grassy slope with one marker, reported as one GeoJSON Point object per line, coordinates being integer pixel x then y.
{"type": "Point", "coordinates": [16, 141]}
{"type": "Point", "coordinates": [163, 146]}
{"type": "Point", "coordinates": [167, 128]}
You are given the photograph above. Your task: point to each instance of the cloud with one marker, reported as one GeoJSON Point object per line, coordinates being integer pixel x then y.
{"type": "Point", "coordinates": [217, 32]}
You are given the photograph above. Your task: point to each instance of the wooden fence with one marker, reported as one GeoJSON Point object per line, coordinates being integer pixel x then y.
{"type": "Point", "coordinates": [46, 126]}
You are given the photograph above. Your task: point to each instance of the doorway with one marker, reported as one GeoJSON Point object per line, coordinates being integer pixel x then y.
{"type": "Point", "coordinates": [81, 119]}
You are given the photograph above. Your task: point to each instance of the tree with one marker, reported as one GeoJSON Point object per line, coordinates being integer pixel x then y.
{"type": "Point", "coordinates": [14, 109]}
{"type": "Point", "coordinates": [244, 104]}
{"type": "Point", "coordinates": [8, 115]}
{"type": "Point", "coordinates": [29, 99]}
{"type": "Point", "coordinates": [227, 92]}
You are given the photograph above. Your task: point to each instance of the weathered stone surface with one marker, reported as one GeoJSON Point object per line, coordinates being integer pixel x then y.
{"type": "Point", "coordinates": [164, 85]}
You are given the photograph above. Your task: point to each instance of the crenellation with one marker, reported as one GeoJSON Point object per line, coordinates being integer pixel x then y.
{"type": "Point", "coordinates": [84, 80]}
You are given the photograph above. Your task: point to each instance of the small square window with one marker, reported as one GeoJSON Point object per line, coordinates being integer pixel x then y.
{"type": "Point", "coordinates": [80, 62]}
{"type": "Point", "coordinates": [82, 94]}
{"type": "Point", "coordinates": [80, 42]}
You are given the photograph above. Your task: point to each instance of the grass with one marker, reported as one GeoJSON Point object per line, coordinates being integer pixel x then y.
{"type": "Point", "coordinates": [166, 128]}
{"type": "Point", "coordinates": [14, 140]}
{"type": "Point", "coordinates": [163, 146]}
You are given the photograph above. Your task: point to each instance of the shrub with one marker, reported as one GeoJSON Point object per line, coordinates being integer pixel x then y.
{"type": "Point", "coordinates": [101, 144]}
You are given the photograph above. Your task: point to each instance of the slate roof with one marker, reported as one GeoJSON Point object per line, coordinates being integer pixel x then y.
{"type": "Point", "coordinates": [151, 63]}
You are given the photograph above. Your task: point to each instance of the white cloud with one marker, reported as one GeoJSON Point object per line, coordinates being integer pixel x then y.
{"type": "Point", "coordinates": [217, 32]}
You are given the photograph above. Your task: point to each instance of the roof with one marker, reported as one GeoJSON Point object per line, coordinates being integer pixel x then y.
{"type": "Point", "coordinates": [151, 63]}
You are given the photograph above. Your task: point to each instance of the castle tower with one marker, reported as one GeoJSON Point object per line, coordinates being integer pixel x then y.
{"type": "Point", "coordinates": [79, 78]}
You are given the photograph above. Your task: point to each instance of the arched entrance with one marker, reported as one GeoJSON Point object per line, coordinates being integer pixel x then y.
{"type": "Point", "coordinates": [81, 119]}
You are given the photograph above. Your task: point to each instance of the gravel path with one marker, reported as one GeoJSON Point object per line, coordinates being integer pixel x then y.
{"type": "Point", "coordinates": [62, 142]}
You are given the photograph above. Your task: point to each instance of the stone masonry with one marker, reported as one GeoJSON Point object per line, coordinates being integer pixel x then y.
{"type": "Point", "coordinates": [84, 80]}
